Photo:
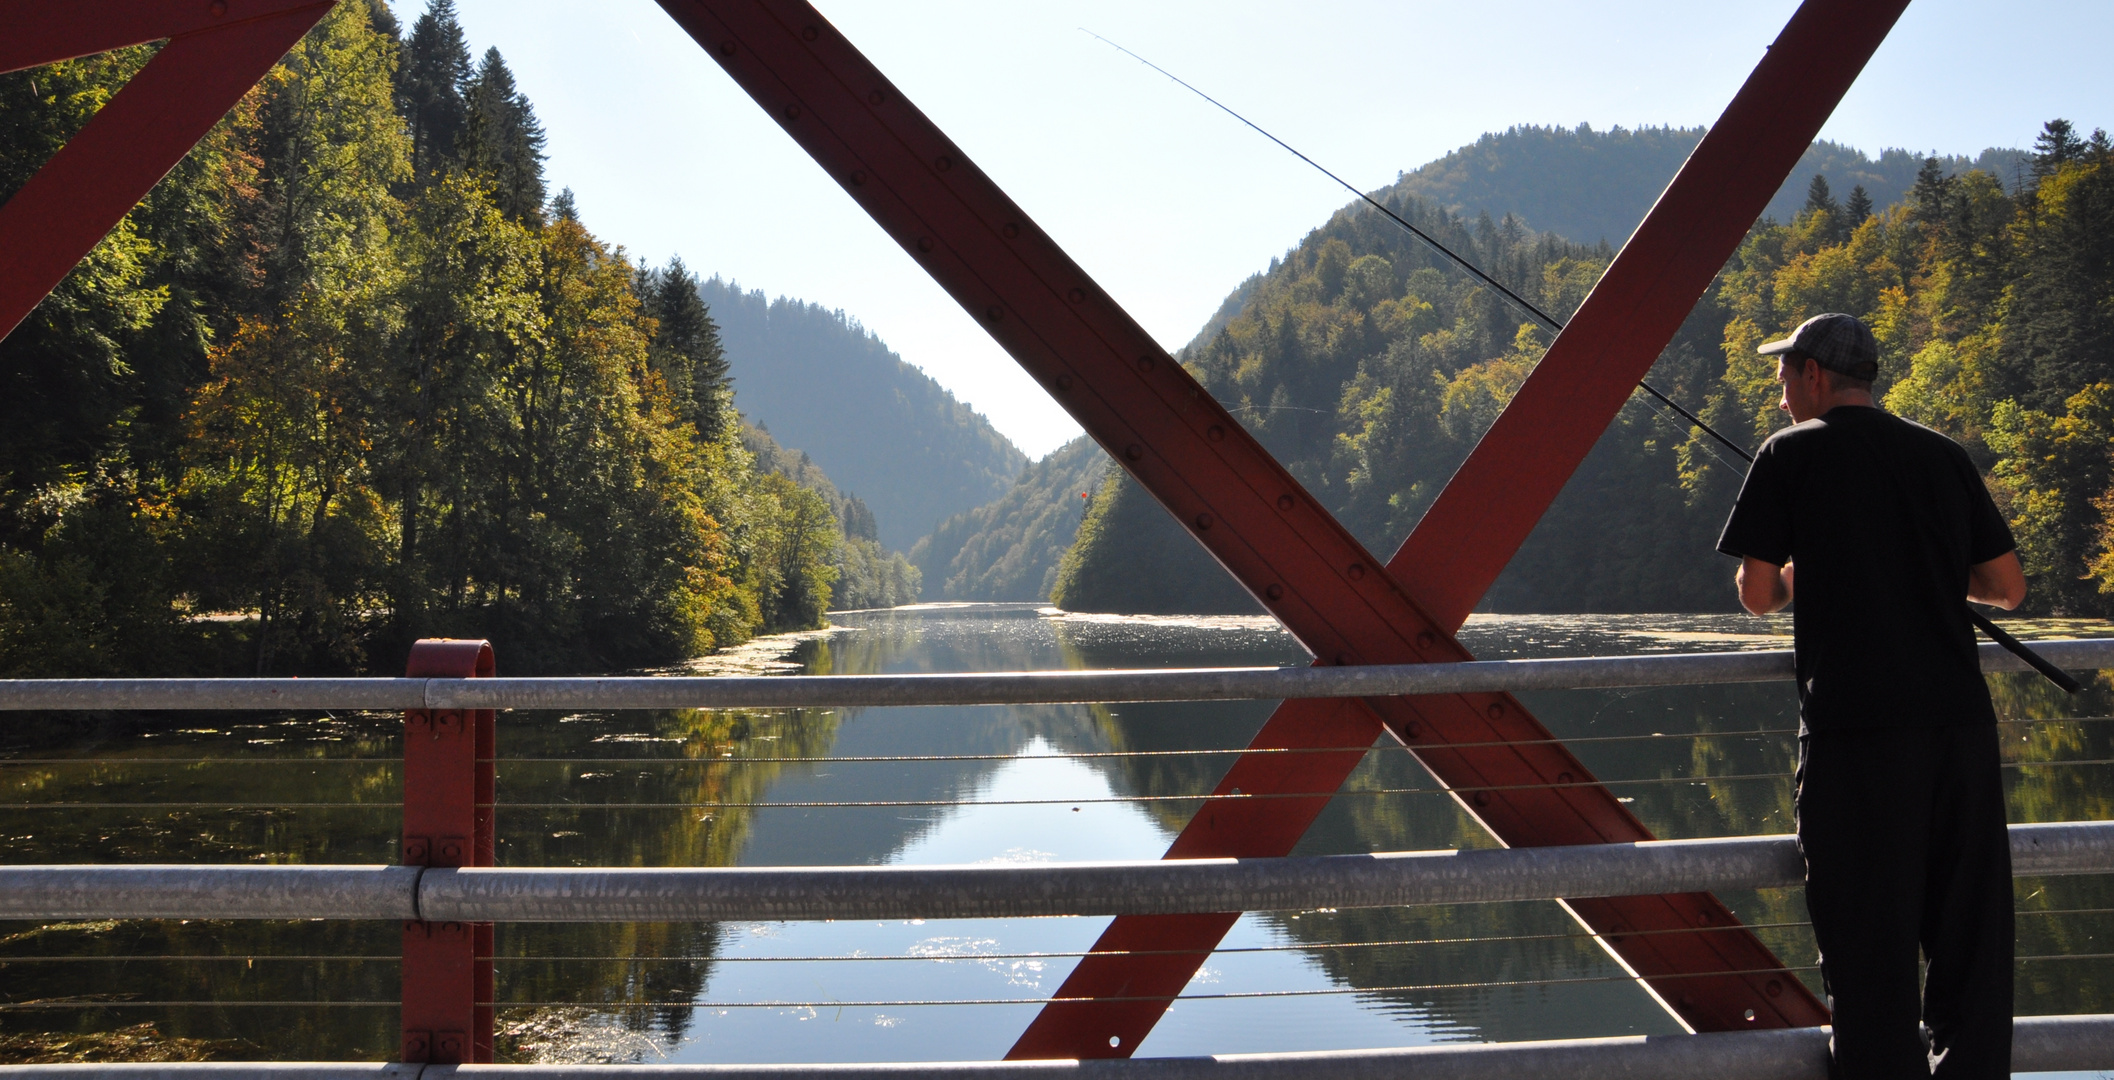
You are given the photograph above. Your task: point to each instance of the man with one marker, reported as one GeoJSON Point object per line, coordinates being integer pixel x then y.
{"type": "Point", "coordinates": [1885, 528]}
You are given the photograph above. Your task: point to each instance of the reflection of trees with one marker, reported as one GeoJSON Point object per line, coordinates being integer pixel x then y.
{"type": "Point", "coordinates": [725, 757]}
{"type": "Point", "coordinates": [2051, 731]}
{"type": "Point", "coordinates": [117, 764]}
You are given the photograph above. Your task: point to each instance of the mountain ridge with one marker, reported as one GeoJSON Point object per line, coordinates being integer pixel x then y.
{"type": "Point", "coordinates": [881, 428]}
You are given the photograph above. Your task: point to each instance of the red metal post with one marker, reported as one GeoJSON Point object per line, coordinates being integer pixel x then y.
{"type": "Point", "coordinates": [1245, 509]}
{"type": "Point", "coordinates": [217, 50]}
{"type": "Point", "coordinates": [448, 790]}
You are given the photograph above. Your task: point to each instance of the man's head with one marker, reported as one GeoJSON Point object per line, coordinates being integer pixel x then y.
{"type": "Point", "coordinates": [1829, 360]}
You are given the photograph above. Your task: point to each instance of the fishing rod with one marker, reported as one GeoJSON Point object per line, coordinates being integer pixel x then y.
{"type": "Point", "coordinates": [1548, 321]}
{"type": "Point", "coordinates": [1996, 633]}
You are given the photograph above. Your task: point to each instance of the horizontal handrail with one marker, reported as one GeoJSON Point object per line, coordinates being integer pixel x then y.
{"type": "Point", "coordinates": [2039, 1044]}
{"type": "Point", "coordinates": [978, 688]}
{"type": "Point", "coordinates": [1157, 887]}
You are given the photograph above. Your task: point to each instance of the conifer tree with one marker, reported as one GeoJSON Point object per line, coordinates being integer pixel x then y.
{"type": "Point", "coordinates": [429, 89]}
{"type": "Point", "coordinates": [384, 21]}
{"type": "Point", "coordinates": [686, 349]}
{"type": "Point", "coordinates": [564, 208]}
{"type": "Point", "coordinates": [2056, 146]}
{"type": "Point", "coordinates": [1859, 206]}
{"type": "Point", "coordinates": [1818, 197]}
{"type": "Point", "coordinates": [1820, 200]}
{"type": "Point", "coordinates": [501, 141]}
{"type": "Point", "coordinates": [1927, 198]}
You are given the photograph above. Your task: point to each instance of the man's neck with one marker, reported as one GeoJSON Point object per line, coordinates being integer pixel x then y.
{"type": "Point", "coordinates": [1855, 398]}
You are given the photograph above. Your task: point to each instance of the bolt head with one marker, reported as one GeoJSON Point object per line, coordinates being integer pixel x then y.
{"type": "Point", "coordinates": [1275, 592]}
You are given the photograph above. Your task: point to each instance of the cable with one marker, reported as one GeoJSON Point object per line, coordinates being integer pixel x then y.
{"type": "Point", "coordinates": [1547, 320]}
{"type": "Point", "coordinates": [1236, 995]}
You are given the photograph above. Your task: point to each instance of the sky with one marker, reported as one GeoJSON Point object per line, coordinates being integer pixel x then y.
{"type": "Point", "coordinates": [1169, 203]}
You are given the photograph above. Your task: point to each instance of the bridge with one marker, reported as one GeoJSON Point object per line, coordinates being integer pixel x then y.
{"type": "Point", "coordinates": [1383, 632]}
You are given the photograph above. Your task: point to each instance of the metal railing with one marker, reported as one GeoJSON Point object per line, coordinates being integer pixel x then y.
{"type": "Point", "coordinates": [774, 894]}
{"type": "Point", "coordinates": [452, 892]}
{"type": "Point", "coordinates": [982, 688]}
{"type": "Point", "coordinates": [2039, 1044]}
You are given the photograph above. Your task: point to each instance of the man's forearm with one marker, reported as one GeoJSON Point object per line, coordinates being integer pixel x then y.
{"type": "Point", "coordinates": [2000, 582]}
{"type": "Point", "coordinates": [1764, 586]}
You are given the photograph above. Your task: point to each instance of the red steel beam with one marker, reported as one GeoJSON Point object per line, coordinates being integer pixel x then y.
{"type": "Point", "coordinates": [217, 50]}
{"type": "Point", "coordinates": [1478, 523]}
{"type": "Point", "coordinates": [1245, 509]}
{"type": "Point", "coordinates": [448, 790]}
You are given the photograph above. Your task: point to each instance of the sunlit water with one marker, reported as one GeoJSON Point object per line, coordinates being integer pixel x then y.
{"type": "Point", "coordinates": [998, 784]}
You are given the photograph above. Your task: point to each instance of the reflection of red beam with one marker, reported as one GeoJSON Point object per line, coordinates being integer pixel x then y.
{"type": "Point", "coordinates": [1258, 522]}
{"type": "Point", "coordinates": [216, 52]}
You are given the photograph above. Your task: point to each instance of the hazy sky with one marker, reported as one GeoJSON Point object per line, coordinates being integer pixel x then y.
{"type": "Point", "coordinates": [1168, 203]}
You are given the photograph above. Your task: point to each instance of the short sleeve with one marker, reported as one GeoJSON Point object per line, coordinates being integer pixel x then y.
{"type": "Point", "coordinates": [1988, 536]}
{"type": "Point", "coordinates": [1760, 525]}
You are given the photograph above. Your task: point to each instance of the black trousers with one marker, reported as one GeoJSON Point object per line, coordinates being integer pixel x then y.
{"type": "Point", "coordinates": [1905, 846]}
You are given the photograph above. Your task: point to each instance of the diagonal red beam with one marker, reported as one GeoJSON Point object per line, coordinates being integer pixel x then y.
{"type": "Point", "coordinates": [43, 32]}
{"type": "Point", "coordinates": [1487, 511]}
{"type": "Point", "coordinates": [211, 60]}
{"type": "Point", "coordinates": [1235, 499]}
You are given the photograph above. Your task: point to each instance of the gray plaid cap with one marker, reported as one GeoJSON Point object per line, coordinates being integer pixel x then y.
{"type": "Point", "coordinates": [1841, 343]}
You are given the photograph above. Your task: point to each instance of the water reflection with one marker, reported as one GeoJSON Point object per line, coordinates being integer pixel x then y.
{"type": "Point", "coordinates": [752, 787]}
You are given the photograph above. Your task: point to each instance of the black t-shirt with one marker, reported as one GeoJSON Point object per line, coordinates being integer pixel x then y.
{"type": "Point", "coordinates": [1880, 519]}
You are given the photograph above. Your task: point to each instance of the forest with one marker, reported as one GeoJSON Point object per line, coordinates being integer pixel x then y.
{"type": "Point", "coordinates": [880, 427]}
{"type": "Point", "coordinates": [351, 376]}
{"type": "Point", "coordinates": [1592, 185]}
{"type": "Point", "coordinates": [1371, 368]}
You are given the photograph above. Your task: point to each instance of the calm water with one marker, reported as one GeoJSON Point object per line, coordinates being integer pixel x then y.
{"type": "Point", "coordinates": [992, 784]}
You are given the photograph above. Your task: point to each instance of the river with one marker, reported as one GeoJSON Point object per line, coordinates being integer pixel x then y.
{"type": "Point", "coordinates": [933, 785]}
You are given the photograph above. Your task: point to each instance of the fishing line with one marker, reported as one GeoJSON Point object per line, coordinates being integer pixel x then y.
{"type": "Point", "coordinates": [1996, 633]}
{"type": "Point", "coordinates": [1548, 321]}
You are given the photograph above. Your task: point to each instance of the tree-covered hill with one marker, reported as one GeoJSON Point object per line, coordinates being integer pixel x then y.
{"type": "Point", "coordinates": [1008, 549]}
{"type": "Point", "coordinates": [880, 427]}
{"type": "Point", "coordinates": [1596, 185]}
{"type": "Point", "coordinates": [868, 574]}
{"type": "Point", "coordinates": [350, 376]}
{"type": "Point", "coordinates": [1370, 369]}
